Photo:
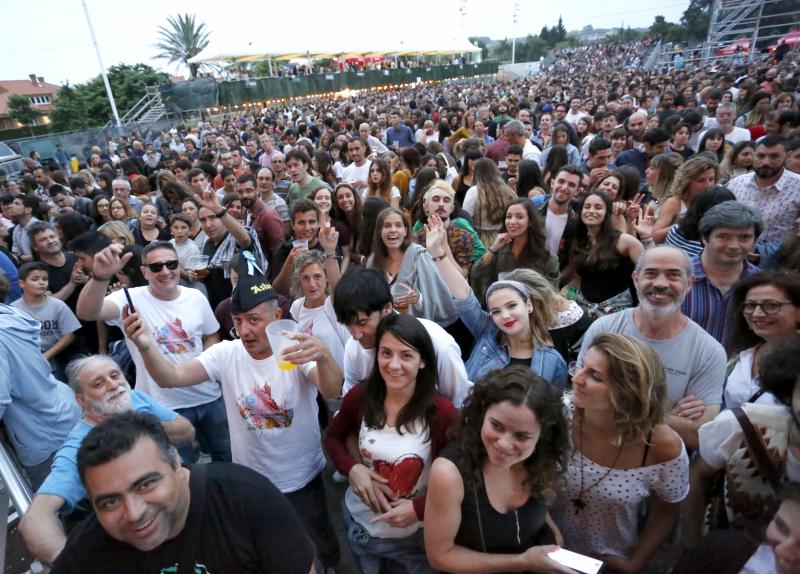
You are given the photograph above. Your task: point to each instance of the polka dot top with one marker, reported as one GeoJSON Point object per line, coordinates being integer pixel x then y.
{"type": "Point", "coordinates": [608, 522]}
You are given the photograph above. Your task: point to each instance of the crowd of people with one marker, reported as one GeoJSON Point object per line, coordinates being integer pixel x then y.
{"type": "Point", "coordinates": [553, 313]}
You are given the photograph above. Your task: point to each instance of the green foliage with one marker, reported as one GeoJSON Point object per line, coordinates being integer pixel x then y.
{"type": "Point", "coordinates": [667, 31]}
{"type": "Point", "coordinates": [15, 133]}
{"type": "Point", "coordinates": [695, 19]}
{"type": "Point", "coordinates": [21, 110]}
{"type": "Point", "coordinates": [182, 40]}
{"type": "Point", "coordinates": [86, 105]}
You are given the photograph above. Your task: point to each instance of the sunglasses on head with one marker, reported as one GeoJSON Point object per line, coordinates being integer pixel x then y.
{"type": "Point", "coordinates": [156, 267]}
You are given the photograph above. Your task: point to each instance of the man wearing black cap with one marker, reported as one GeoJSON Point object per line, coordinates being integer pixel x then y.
{"type": "Point", "coordinates": [272, 413]}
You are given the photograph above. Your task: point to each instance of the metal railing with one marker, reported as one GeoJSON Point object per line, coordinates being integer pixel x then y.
{"type": "Point", "coordinates": [14, 488]}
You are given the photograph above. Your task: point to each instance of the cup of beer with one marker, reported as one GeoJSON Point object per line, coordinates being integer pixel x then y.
{"type": "Point", "coordinates": [300, 244]}
{"type": "Point", "coordinates": [199, 265]}
{"type": "Point", "coordinates": [399, 290]}
{"type": "Point", "coordinates": [277, 332]}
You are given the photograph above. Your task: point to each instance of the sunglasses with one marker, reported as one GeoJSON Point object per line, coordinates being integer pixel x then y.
{"type": "Point", "coordinates": [156, 267]}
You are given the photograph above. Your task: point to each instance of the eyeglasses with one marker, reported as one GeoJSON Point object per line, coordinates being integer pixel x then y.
{"type": "Point", "coordinates": [768, 307]}
{"type": "Point", "coordinates": [156, 267]}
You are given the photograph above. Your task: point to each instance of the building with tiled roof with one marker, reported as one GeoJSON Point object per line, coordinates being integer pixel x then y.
{"type": "Point", "coordinates": [39, 93]}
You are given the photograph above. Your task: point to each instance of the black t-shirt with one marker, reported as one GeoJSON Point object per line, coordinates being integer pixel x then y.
{"type": "Point", "coordinates": [218, 286]}
{"type": "Point", "coordinates": [248, 527]}
{"type": "Point", "coordinates": [58, 277]}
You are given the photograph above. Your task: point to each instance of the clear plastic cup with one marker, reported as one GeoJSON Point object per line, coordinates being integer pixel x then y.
{"type": "Point", "coordinates": [399, 290]}
{"type": "Point", "coordinates": [300, 243]}
{"type": "Point", "coordinates": [276, 333]}
{"type": "Point", "coordinates": [198, 264]}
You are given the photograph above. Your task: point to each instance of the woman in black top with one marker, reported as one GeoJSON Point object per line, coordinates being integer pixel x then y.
{"type": "Point", "coordinates": [486, 509]}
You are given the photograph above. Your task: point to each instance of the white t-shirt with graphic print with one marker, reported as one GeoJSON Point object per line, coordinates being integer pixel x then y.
{"type": "Point", "coordinates": [177, 327]}
{"type": "Point", "coordinates": [272, 414]}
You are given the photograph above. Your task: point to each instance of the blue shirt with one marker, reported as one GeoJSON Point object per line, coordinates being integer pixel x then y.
{"type": "Point", "coordinates": [8, 269]}
{"type": "Point", "coordinates": [37, 410]}
{"type": "Point", "coordinates": [708, 306]}
{"type": "Point", "coordinates": [400, 137]}
{"type": "Point", "coordinates": [488, 354]}
{"type": "Point", "coordinates": [63, 480]}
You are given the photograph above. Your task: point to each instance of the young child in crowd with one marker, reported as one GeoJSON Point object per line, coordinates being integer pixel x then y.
{"type": "Point", "coordinates": [58, 323]}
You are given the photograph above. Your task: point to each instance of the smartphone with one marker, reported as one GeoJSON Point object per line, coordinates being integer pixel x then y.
{"type": "Point", "coordinates": [130, 302]}
{"type": "Point", "coordinates": [578, 562]}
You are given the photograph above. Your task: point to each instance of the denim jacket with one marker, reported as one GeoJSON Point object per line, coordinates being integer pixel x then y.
{"type": "Point", "coordinates": [488, 354]}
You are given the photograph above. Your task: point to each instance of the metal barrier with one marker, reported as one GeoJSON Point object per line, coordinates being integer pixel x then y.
{"type": "Point", "coordinates": [14, 489]}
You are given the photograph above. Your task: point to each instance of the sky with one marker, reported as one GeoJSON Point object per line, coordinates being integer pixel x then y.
{"type": "Point", "coordinates": [50, 38]}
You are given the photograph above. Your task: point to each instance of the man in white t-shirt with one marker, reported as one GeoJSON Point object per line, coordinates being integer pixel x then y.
{"type": "Point", "coordinates": [361, 299]}
{"type": "Point", "coordinates": [357, 173]}
{"type": "Point", "coordinates": [272, 410]}
{"type": "Point", "coordinates": [575, 113]}
{"type": "Point", "coordinates": [555, 208]}
{"type": "Point", "coordinates": [726, 114]}
{"type": "Point", "coordinates": [182, 323]}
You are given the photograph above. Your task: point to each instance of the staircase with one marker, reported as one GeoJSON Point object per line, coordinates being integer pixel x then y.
{"type": "Point", "coordinates": [148, 109]}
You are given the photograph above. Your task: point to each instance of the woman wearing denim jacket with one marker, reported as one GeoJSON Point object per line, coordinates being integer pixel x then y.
{"type": "Point", "coordinates": [513, 332]}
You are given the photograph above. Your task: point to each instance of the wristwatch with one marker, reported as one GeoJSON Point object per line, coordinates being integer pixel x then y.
{"type": "Point", "coordinates": [220, 214]}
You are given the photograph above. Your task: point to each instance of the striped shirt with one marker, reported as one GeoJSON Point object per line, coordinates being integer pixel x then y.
{"type": "Point", "coordinates": [689, 246]}
{"type": "Point", "coordinates": [707, 306]}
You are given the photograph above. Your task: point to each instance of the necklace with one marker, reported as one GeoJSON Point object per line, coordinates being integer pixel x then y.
{"type": "Point", "coordinates": [578, 501]}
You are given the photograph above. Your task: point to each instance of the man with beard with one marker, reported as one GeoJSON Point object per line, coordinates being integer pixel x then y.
{"type": "Point", "coordinates": [694, 362]}
{"type": "Point", "coordinates": [263, 219]}
{"type": "Point", "coordinates": [153, 515]}
{"type": "Point", "coordinates": [183, 325]}
{"type": "Point", "coordinates": [465, 244]}
{"type": "Point", "coordinates": [555, 207]}
{"type": "Point", "coordinates": [102, 391]}
{"type": "Point", "coordinates": [637, 126]}
{"type": "Point", "coordinates": [770, 188]}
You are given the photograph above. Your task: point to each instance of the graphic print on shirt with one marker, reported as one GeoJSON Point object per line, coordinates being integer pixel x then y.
{"type": "Point", "coordinates": [403, 473]}
{"type": "Point", "coordinates": [259, 410]}
{"type": "Point", "coordinates": [308, 328]}
{"type": "Point", "coordinates": [173, 338]}
{"type": "Point", "coordinates": [198, 569]}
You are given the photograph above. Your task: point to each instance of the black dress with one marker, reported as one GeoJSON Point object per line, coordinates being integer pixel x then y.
{"type": "Point", "coordinates": [484, 529]}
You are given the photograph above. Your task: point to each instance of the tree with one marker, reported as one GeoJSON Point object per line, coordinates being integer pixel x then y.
{"type": "Point", "coordinates": [86, 105]}
{"type": "Point", "coordinates": [21, 110]}
{"type": "Point", "coordinates": [559, 32]}
{"type": "Point", "coordinates": [696, 19]}
{"type": "Point", "coordinates": [182, 40]}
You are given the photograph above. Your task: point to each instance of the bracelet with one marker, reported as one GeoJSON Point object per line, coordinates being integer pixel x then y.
{"type": "Point", "coordinates": [96, 278]}
{"type": "Point", "coordinates": [222, 213]}
{"type": "Point", "coordinates": [332, 256]}
{"type": "Point", "coordinates": [440, 257]}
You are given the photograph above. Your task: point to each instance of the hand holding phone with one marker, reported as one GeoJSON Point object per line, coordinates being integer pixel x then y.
{"type": "Point", "coordinates": [131, 308]}
{"type": "Point", "coordinates": [578, 562]}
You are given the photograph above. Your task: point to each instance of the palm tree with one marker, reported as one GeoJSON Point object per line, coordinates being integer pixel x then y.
{"type": "Point", "coordinates": [182, 40]}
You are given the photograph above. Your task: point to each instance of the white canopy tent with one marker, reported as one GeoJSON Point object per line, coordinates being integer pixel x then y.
{"type": "Point", "coordinates": [271, 47]}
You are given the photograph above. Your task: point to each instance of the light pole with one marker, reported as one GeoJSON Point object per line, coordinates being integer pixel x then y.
{"type": "Point", "coordinates": [102, 67]}
{"type": "Point", "coordinates": [514, 32]}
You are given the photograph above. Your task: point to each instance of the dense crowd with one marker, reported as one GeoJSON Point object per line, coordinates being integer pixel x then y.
{"type": "Point", "coordinates": [558, 312]}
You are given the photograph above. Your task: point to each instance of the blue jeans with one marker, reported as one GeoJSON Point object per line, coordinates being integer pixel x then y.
{"type": "Point", "coordinates": [211, 424]}
{"type": "Point", "coordinates": [396, 555]}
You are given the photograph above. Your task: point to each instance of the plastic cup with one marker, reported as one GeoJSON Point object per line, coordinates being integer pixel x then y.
{"type": "Point", "coordinates": [399, 290]}
{"type": "Point", "coordinates": [198, 264]}
{"type": "Point", "coordinates": [300, 243]}
{"type": "Point", "coordinates": [276, 333]}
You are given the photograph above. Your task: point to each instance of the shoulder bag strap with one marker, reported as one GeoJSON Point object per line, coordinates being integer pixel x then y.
{"type": "Point", "coordinates": [478, 514]}
{"type": "Point", "coordinates": [194, 521]}
{"type": "Point", "coordinates": [758, 450]}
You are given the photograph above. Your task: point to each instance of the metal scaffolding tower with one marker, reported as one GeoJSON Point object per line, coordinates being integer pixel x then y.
{"type": "Point", "coordinates": [762, 22]}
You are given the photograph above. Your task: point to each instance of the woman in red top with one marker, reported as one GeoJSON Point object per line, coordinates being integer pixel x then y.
{"type": "Point", "coordinates": [401, 424]}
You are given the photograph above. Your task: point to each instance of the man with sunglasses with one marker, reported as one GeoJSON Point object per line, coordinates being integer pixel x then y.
{"type": "Point", "coordinates": [182, 324]}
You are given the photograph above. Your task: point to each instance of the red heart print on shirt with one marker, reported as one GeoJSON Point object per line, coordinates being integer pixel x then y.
{"type": "Point", "coordinates": [402, 474]}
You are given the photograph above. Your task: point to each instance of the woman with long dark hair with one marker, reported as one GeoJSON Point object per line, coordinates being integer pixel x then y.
{"type": "Point", "coordinates": [401, 424]}
{"type": "Point", "coordinates": [486, 509]}
{"type": "Point", "coordinates": [600, 259]}
{"type": "Point", "coordinates": [100, 210]}
{"type": "Point", "coordinates": [521, 244]}
{"type": "Point", "coordinates": [713, 143]}
{"type": "Point", "coordinates": [321, 162]}
{"type": "Point", "coordinates": [408, 264]}
{"type": "Point", "coordinates": [465, 179]}
{"type": "Point", "coordinates": [380, 185]}
{"type": "Point", "coordinates": [530, 181]}
{"type": "Point", "coordinates": [738, 161]}
{"type": "Point", "coordinates": [347, 209]}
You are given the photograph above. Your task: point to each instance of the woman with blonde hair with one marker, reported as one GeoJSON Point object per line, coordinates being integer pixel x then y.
{"type": "Point", "coordinates": [623, 455]}
{"type": "Point", "coordinates": [486, 201]}
{"type": "Point", "coordinates": [570, 320]}
{"type": "Point", "coordinates": [117, 232]}
{"type": "Point", "coordinates": [692, 177]}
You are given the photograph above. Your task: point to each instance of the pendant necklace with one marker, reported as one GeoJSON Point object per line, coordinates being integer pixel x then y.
{"type": "Point", "coordinates": [578, 501]}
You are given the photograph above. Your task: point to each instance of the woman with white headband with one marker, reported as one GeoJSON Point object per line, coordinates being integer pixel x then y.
{"type": "Point", "coordinates": [515, 329]}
